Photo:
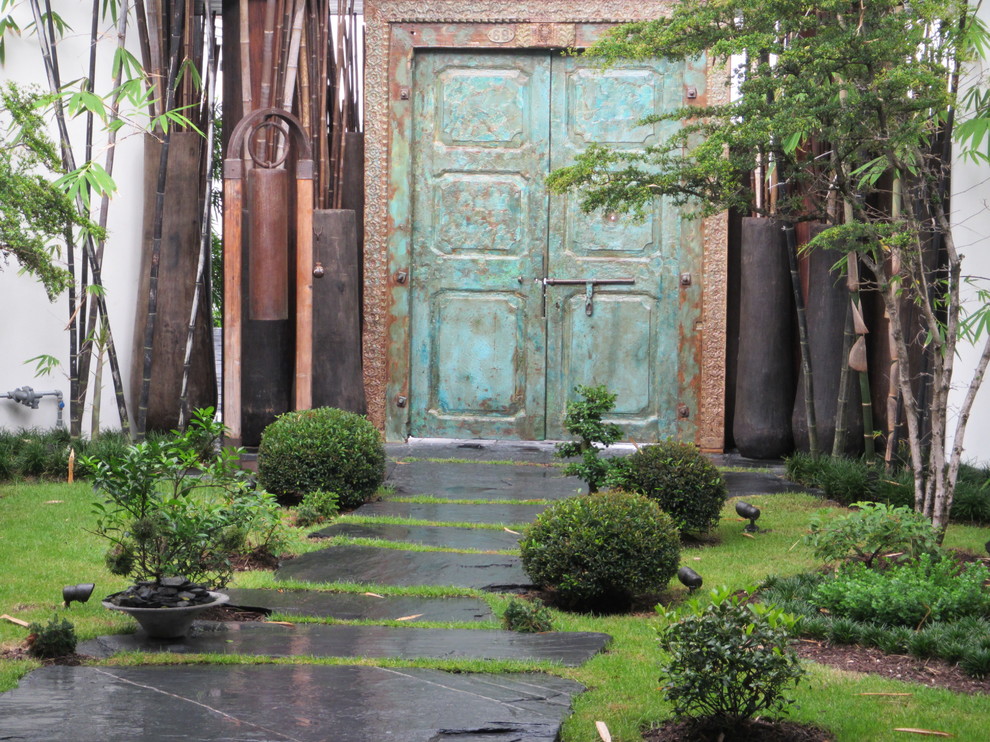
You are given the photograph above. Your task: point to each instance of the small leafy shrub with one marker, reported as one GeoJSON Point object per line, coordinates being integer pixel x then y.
{"type": "Point", "coordinates": [598, 552]}
{"type": "Point", "coordinates": [527, 617]}
{"type": "Point", "coordinates": [680, 479]}
{"type": "Point", "coordinates": [870, 532]}
{"type": "Point", "coordinates": [908, 594]}
{"type": "Point", "coordinates": [316, 507]}
{"type": "Point", "coordinates": [728, 660]}
{"type": "Point", "coordinates": [166, 513]}
{"type": "Point", "coordinates": [57, 638]}
{"type": "Point", "coordinates": [583, 418]}
{"type": "Point", "coordinates": [323, 449]}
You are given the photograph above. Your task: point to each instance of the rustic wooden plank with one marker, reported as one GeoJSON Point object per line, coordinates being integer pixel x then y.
{"type": "Point", "coordinates": [232, 319]}
{"type": "Point", "coordinates": [268, 244]}
{"type": "Point", "coordinates": [304, 294]}
{"type": "Point", "coordinates": [337, 379]}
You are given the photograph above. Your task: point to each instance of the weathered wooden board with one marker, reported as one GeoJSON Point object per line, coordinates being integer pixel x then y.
{"type": "Point", "coordinates": [180, 248]}
{"type": "Point", "coordinates": [337, 380]}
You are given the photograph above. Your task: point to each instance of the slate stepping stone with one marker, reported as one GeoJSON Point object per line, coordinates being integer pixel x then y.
{"type": "Point", "coordinates": [743, 483]}
{"type": "Point", "coordinates": [507, 515]}
{"type": "Point", "coordinates": [206, 703]}
{"type": "Point", "coordinates": [369, 564]}
{"type": "Point", "coordinates": [540, 452]}
{"type": "Point", "coordinates": [255, 638]}
{"type": "Point", "coordinates": [461, 481]}
{"type": "Point", "coordinates": [356, 607]}
{"type": "Point", "coordinates": [480, 539]}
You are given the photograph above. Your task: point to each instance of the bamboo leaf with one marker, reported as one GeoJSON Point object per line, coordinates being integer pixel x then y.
{"type": "Point", "coordinates": [45, 364]}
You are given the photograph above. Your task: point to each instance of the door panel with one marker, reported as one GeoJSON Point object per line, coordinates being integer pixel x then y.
{"type": "Point", "coordinates": [480, 156]}
{"type": "Point", "coordinates": [630, 339]}
{"type": "Point", "coordinates": [494, 354]}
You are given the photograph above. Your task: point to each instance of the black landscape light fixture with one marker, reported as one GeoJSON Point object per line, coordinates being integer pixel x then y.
{"type": "Point", "coordinates": [689, 578]}
{"type": "Point", "coordinates": [751, 512]}
{"type": "Point", "coordinates": [80, 592]}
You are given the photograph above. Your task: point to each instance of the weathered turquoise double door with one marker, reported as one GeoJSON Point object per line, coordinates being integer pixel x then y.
{"type": "Point", "coordinates": [517, 296]}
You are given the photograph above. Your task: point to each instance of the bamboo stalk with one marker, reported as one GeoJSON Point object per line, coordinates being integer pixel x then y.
{"type": "Point", "coordinates": [245, 28]}
{"type": "Point", "coordinates": [187, 45]}
{"type": "Point", "coordinates": [144, 40]}
{"type": "Point", "coordinates": [839, 441]}
{"type": "Point", "coordinates": [204, 239]}
{"type": "Point", "coordinates": [156, 240]}
{"type": "Point", "coordinates": [266, 54]}
{"type": "Point", "coordinates": [157, 54]}
{"type": "Point", "coordinates": [809, 387]}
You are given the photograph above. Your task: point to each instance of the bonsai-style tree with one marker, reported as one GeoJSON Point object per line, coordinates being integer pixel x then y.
{"type": "Point", "coordinates": [852, 108]}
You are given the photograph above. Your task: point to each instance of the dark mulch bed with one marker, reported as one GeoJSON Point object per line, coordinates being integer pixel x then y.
{"type": "Point", "coordinates": [759, 730]}
{"type": "Point", "coordinates": [259, 559]}
{"type": "Point", "coordinates": [232, 613]}
{"type": "Point", "coordinates": [931, 672]}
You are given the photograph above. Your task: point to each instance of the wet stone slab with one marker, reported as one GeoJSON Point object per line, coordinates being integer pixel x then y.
{"type": "Point", "coordinates": [320, 640]}
{"type": "Point", "coordinates": [283, 703]}
{"type": "Point", "coordinates": [368, 564]}
{"type": "Point", "coordinates": [454, 513]}
{"type": "Point", "coordinates": [539, 452]}
{"type": "Point", "coordinates": [357, 607]}
{"type": "Point", "coordinates": [460, 481]}
{"type": "Point", "coordinates": [742, 483]}
{"type": "Point", "coordinates": [480, 539]}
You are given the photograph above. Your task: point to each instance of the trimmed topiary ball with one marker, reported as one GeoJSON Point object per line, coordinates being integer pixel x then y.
{"type": "Point", "coordinates": [681, 480]}
{"type": "Point", "coordinates": [598, 552]}
{"type": "Point", "coordinates": [325, 449]}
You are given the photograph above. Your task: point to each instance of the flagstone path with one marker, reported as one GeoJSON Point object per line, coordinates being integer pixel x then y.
{"type": "Point", "coordinates": [416, 539]}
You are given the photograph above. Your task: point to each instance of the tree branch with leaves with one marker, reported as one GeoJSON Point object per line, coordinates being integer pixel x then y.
{"type": "Point", "coordinates": [874, 84]}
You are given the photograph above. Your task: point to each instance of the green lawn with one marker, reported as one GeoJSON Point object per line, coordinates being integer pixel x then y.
{"type": "Point", "coordinates": [44, 544]}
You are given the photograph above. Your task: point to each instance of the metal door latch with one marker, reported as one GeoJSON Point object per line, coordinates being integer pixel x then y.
{"type": "Point", "coordinates": [589, 287]}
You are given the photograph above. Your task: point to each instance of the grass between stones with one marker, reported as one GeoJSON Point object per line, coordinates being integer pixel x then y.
{"type": "Point", "coordinates": [45, 544]}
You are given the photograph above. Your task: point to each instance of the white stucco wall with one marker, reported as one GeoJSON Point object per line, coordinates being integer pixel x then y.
{"type": "Point", "coordinates": [29, 324]}
{"type": "Point", "coordinates": [971, 230]}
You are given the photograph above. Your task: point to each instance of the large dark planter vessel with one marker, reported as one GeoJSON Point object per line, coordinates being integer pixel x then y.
{"type": "Point", "coordinates": [168, 618]}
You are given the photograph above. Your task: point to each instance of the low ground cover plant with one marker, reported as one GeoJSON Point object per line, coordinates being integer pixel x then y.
{"type": "Point", "coordinates": [325, 449]}
{"type": "Point", "coordinates": [894, 589]}
{"type": "Point", "coordinates": [923, 590]}
{"type": "Point", "coordinates": [962, 640]}
{"type": "Point", "coordinates": [852, 480]}
{"type": "Point", "coordinates": [598, 552]}
{"type": "Point", "coordinates": [36, 454]}
{"type": "Point", "coordinates": [728, 660]}
{"type": "Point", "coordinates": [51, 640]}
{"type": "Point", "coordinates": [527, 616]}
{"type": "Point", "coordinates": [316, 507]}
{"type": "Point", "coordinates": [679, 478]}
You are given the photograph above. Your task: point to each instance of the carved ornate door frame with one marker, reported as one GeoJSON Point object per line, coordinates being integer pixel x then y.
{"type": "Point", "coordinates": [395, 30]}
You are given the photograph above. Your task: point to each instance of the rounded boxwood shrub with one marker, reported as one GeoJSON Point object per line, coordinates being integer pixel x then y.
{"type": "Point", "coordinates": [681, 480]}
{"type": "Point", "coordinates": [325, 449]}
{"type": "Point", "coordinates": [600, 551]}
